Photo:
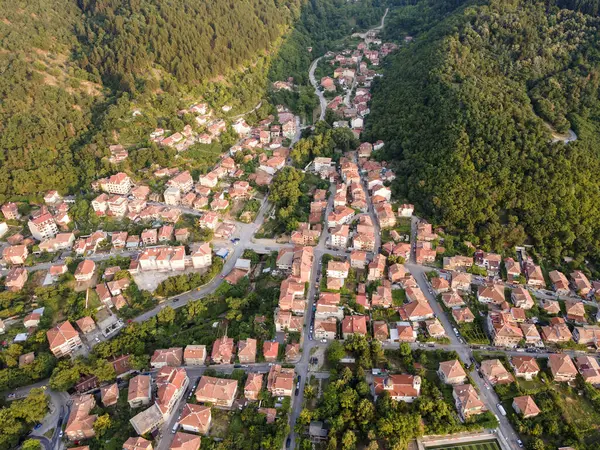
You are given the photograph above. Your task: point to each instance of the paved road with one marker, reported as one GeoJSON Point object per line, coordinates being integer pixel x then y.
{"type": "Point", "coordinates": [245, 233]}
{"type": "Point", "coordinates": [194, 373]}
{"type": "Point", "coordinates": [313, 81]}
{"type": "Point", "coordinates": [465, 353]}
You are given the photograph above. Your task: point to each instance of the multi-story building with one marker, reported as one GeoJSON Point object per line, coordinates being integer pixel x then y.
{"type": "Point", "coordinates": [63, 339]}
{"type": "Point", "coordinates": [43, 227]}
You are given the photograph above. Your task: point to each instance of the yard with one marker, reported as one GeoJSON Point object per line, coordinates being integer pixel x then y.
{"type": "Point", "coordinates": [220, 423]}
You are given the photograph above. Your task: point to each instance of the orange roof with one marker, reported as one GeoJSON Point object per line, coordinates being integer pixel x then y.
{"type": "Point", "coordinates": [526, 405]}
{"type": "Point", "coordinates": [354, 324]}
{"type": "Point", "coordinates": [525, 364]}
{"type": "Point", "coordinates": [60, 334]}
{"type": "Point", "coordinates": [185, 441]}
{"type": "Point", "coordinates": [452, 369]}
{"type": "Point", "coordinates": [215, 389]}
{"type": "Point", "coordinates": [137, 443]}
{"type": "Point", "coordinates": [196, 416]}
{"type": "Point", "coordinates": [270, 349]}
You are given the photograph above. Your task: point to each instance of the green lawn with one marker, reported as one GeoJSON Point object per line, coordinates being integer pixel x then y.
{"type": "Point", "coordinates": [484, 445]}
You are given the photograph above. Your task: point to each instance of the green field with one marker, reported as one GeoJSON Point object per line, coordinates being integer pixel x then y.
{"type": "Point", "coordinates": [481, 445]}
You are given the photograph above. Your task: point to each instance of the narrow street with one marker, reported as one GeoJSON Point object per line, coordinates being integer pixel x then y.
{"type": "Point", "coordinates": [313, 81]}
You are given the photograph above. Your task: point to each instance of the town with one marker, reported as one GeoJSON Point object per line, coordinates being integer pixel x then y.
{"type": "Point", "coordinates": [263, 318]}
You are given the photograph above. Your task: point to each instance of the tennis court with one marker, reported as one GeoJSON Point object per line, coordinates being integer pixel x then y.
{"type": "Point", "coordinates": [480, 445]}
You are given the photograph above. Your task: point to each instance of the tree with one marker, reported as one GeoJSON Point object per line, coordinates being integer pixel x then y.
{"type": "Point", "coordinates": [405, 349]}
{"type": "Point", "coordinates": [166, 316]}
{"type": "Point", "coordinates": [102, 425]}
{"type": "Point", "coordinates": [349, 440]}
{"type": "Point", "coordinates": [335, 352]}
{"type": "Point", "coordinates": [31, 444]}
{"type": "Point", "coordinates": [64, 376]}
{"type": "Point", "coordinates": [195, 309]}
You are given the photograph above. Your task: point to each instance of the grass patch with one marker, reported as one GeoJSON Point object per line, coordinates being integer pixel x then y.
{"type": "Point", "coordinates": [485, 445]}
{"type": "Point", "coordinates": [220, 423]}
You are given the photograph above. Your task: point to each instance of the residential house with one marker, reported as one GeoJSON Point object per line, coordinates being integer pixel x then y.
{"type": "Point", "coordinates": [222, 351]}
{"type": "Point", "coordinates": [589, 369]}
{"type": "Point", "coordinates": [513, 270]}
{"type": "Point", "coordinates": [43, 227]}
{"type": "Point", "coordinates": [560, 284]}
{"type": "Point", "coordinates": [16, 278]}
{"type": "Point", "coordinates": [137, 443]}
{"type": "Point", "coordinates": [467, 401]}
{"type": "Point", "coordinates": [405, 388]}
{"type": "Point", "coordinates": [325, 328]}
{"type": "Point", "coordinates": [63, 339]}
{"type": "Point", "coordinates": [531, 334]}
{"type": "Point", "coordinates": [162, 259]}
{"type": "Point", "coordinates": [195, 418]}
{"type": "Point", "coordinates": [271, 349]}
{"type": "Point", "coordinates": [15, 254]}
{"type": "Point", "coordinates": [416, 311]}
{"type": "Point", "coordinates": [194, 355]}
{"type": "Point", "coordinates": [247, 351]}
{"type": "Point", "coordinates": [139, 392]}
{"type": "Point", "coordinates": [452, 299]}
{"type": "Point", "coordinates": [80, 424]}
{"type": "Point", "coordinates": [358, 259]}
{"type": "Point", "coordinates": [406, 332]}
{"type": "Point", "coordinates": [503, 329]}
{"type": "Point", "coordinates": [253, 386]}
{"type": "Point", "coordinates": [534, 275]}
{"type": "Point", "coordinates": [280, 381]}
{"type": "Point", "coordinates": [521, 298]}
{"type": "Point", "coordinates": [109, 394]}
{"type": "Point", "coordinates": [463, 315]}
{"type": "Point", "coordinates": [338, 269]}
{"type": "Point", "coordinates": [284, 320]}
{"type": "Point", "coordinates": [85, 270]}
{"type": "Point", "coordinates": [354, 325]}
{"type": "Point", "coordinates": [581, 283]}
{"type": "Point", "coordinates": [525, 406]}
{"type": "Point", "coordinates": [491, 293]}
{"type": "Point", "coordinates": [380, 330]}
{"type": "Point", "coordinates": [452, 372]}
{"type": "Point", "coordinates": [557, 332]}
{"type": "Point", "coordinates": [172, 357]}
{"type": "Point", "coordinates": [119, 183]}
{"type": "Point", "coordinates": [461, 281]}
{"type": "Point", "coordinates": [218, 391]}
{"type": "Point", "coordinates": [494, 372]}
{"type": "Point", "coordinates": [525, 367]}
{"type": "Point", "coordinates": [185, 441]}
{"type": "Point", "coordinates": [202, 257]}
{"type": "Point", "coordinates": [575, 311]}
{"type": "Point", "coordinates": [457, 262]}
{"type": "Point", "coordinates": [86, 324]}
{"type": "Point", "coordinates": [562, 368]}
{"type": "Point", "coordinates": [376, 268]}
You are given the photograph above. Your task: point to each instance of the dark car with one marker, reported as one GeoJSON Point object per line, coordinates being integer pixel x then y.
{"type": "Point", "coordinates": [288, 442]}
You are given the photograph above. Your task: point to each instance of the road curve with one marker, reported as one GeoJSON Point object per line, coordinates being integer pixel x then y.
{"type": "Point", "coordinates": [313, 81]}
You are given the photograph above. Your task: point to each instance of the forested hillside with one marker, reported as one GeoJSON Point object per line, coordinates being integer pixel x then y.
{"type": "Point", "coordinates": [193, 40]}
{"type": "Point", "coordinates": [45, 98]}
{"type": "Point", "coordinates": [463, 112]}
{"type": "Point", "coordinates": [72, 72]}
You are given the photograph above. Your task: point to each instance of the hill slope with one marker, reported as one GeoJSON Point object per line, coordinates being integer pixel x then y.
{"type": "Point", "coordinates": [462, 111]}
{"type": "Point", "coordinates": [66, 65]}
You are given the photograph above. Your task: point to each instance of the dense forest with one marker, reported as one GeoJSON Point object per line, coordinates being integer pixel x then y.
{"type": "Point", "coordinates": [473, 113]}
{"type": "Point", "coordinates": [194, 41]}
